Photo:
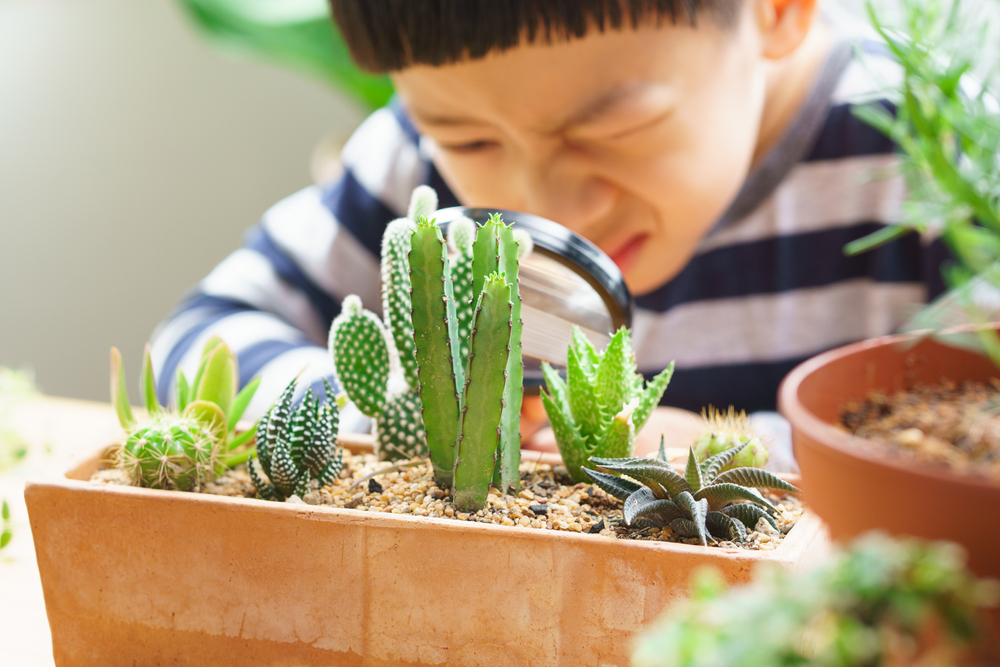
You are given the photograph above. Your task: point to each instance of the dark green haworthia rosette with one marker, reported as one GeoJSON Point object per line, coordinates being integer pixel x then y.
{"type": "Point", "coordinates": [705, 500]}
{"type": "Point", "coordinates": [297, 446]}
{"type": "Point", "coordinates": [603, 402]}
{"type": "Point", "coordinates": [192, 444]}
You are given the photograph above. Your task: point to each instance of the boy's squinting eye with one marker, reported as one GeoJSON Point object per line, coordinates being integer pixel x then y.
{"type": "Point", "coordinates": [468, 147]}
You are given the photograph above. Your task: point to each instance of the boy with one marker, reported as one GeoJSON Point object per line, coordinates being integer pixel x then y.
{"type": "Point", "coordinates": [705, 145]}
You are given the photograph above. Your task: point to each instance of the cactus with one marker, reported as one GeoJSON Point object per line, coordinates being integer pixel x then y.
{"type": "Point", "coordinates": [297, 446]}
{"type": "Point", "coordinates": [471, 411]}
{"type": "Point", "coordinates": [367, 354]}
{"type": "Point", "coordinates": [726, 430]}
{"type": "Point", "coordinates": [703, 501]}
{"type": "Point", "coordinates": [603, 403]}
{"type": "Point", "coordinates": [187, 448]}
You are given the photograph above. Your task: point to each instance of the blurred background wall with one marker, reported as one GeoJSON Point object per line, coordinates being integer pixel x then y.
{"type": "Point", "coordinates": [132, 158]}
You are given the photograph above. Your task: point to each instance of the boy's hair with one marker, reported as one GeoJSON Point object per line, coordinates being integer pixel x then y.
{"type": "Point", "coordinates": [387, 35]}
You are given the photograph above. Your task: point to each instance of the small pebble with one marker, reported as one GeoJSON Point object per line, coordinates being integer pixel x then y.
{"type": "Point", "coordinates": [374, 486]}
{"type": "Point", "coordinates": [539, 509]}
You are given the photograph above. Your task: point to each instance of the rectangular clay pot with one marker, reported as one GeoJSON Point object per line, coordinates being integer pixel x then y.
{"type": "Point", "coordinates": [136, 576]}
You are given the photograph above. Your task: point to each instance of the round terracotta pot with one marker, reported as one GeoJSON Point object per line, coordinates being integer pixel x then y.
{"type": "Point", "coordinates": [855, 486]}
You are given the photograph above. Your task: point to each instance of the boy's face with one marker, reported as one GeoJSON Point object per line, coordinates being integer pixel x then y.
{"type": "Point", "coordinates": [638, 139]}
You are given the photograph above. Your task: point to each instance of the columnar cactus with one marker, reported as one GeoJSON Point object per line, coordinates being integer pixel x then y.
{"type": "Point", "coordinates": [184, 450]}
{"type": "Point", "coordinates": [471, 411]}
{"type": "Point", "coordinates": [297, 447]}
{"type": "Point", "coordinates": [601, 406]}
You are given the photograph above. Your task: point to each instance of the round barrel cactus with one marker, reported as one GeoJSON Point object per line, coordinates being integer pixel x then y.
{"type": "Point", "coordinates": [172, 453]}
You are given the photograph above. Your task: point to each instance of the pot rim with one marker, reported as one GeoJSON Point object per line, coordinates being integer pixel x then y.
{"type": "Point", "coordinates": [826, 435]}
{"type": "Point", "coordinates": [803, 531]}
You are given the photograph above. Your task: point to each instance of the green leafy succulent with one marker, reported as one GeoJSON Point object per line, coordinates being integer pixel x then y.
{"type": "Point", "coordinates": [193, 445]}
{"type": "Point", "coordinates": [297, 446]}
{"type": "Point", "coordinates": [878, 602]}
{"type": "Point", "coordinates": [603, 403]}
{"type": "Point", "coordinates": [703, 501]}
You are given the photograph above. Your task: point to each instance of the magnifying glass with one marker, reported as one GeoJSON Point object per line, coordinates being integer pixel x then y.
{"type": "Point", "coordinates": [566, 281]}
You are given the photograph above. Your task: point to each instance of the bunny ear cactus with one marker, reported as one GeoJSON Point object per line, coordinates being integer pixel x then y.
{"type": "Point", "coordinates": [705, 500]}
{"type": "Point", "coordinates": [471, 411]}
{"type": "Point", "coordinates": [603, 403]}
{"type": "Point", "coordinates": [367, 353]}
{"type": "Point", "coordinates": [184, 451]}
{"type": "Point", "coordinates": [297, 446]}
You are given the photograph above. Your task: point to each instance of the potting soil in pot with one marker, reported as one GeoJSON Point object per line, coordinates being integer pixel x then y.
{"type": "Point", "coordinates": [956, 425]}
{"type": "Point", "coordinates": [548, 500]}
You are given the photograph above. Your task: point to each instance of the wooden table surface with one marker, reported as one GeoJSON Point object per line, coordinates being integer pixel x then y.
{"type": "Point", "coordinates": [55, 430]}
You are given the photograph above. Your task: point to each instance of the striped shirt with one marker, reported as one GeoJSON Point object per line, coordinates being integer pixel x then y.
{"type": "Point", "coordinates": [768, 287]}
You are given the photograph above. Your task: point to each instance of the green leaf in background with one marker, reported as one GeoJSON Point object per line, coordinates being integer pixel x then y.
{"type": "Point", "coordinates": [299, 34]}
{"type": "Point", "coordinates": [7, 533]}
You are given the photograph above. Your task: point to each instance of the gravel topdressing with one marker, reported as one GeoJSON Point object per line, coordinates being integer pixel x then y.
{"type": "Point", "coordinates": [946, 424]}
{"type": "Point", "coordinates": [548, 500]}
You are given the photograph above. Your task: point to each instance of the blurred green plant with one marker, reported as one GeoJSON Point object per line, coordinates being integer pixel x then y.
{"type": "Point", "coordinates": [299, 34]}
{"type": "Point", "coordinates": [882, 601]}
{"type": "Point", "coordinates": [947, 124]}
{"type": "Point", "coordinates": [15, 388]}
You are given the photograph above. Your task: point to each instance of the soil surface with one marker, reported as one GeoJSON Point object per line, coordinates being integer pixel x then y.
{"type": "Point", "coordinates": [548, 500]}
{"type": "Point", "coordinates": [955, 425]}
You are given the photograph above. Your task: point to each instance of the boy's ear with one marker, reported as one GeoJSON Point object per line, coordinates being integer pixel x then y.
{"type": "Point", "coordinates": [784, 24]}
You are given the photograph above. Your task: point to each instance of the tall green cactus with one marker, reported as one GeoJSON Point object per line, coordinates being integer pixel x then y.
{"type": "Point", "coordinates": [471, 410]}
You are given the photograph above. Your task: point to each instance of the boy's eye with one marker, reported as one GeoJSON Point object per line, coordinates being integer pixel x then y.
{"type": "Point", "coordinates": [469, 147]}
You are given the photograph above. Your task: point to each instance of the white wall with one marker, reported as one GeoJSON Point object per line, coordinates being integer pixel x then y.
{"type": "Point", "coordinates": [132, 157]}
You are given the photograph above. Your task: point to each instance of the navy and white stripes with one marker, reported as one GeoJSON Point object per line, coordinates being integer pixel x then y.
{"type": "Point", "coordinates": [762, 293]}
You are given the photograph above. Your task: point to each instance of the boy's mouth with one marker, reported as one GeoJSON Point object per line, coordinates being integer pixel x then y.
{"type": "Point", "coordinates": [624, 255]}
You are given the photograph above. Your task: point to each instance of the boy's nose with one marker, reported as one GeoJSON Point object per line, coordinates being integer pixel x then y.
{"type": "Point", "coordinates": [570, 196]}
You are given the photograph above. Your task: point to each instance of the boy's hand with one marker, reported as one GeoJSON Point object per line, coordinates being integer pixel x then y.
{"type": "Point", "coordinates": [679, 427]}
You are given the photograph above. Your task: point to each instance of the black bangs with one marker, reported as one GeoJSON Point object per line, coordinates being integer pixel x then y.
{"type": "Point", "coordinates": [387, 35]}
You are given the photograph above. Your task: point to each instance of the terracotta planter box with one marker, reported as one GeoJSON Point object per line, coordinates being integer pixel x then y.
{"type": "Point", "coordinates": [137, 576]}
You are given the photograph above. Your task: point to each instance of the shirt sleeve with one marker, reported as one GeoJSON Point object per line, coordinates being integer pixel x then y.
{"type": "Point", "coordinates": [273, 300]}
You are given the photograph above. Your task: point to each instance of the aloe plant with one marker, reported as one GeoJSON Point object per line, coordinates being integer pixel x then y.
{"type": "Point", "coordinates": [297, 446]}
{"type": "Point", "coordinates": [471, 410]}
{"type": "Point", "coordinates": [602, 404]}
{"type": "Point", "coordinates": [192, 445]}
{"type": "Point", "coordinates": [703, 501]}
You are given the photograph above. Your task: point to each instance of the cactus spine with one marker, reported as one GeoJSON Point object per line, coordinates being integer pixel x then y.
{"type": "Point", "coordinates": [472, 410]}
